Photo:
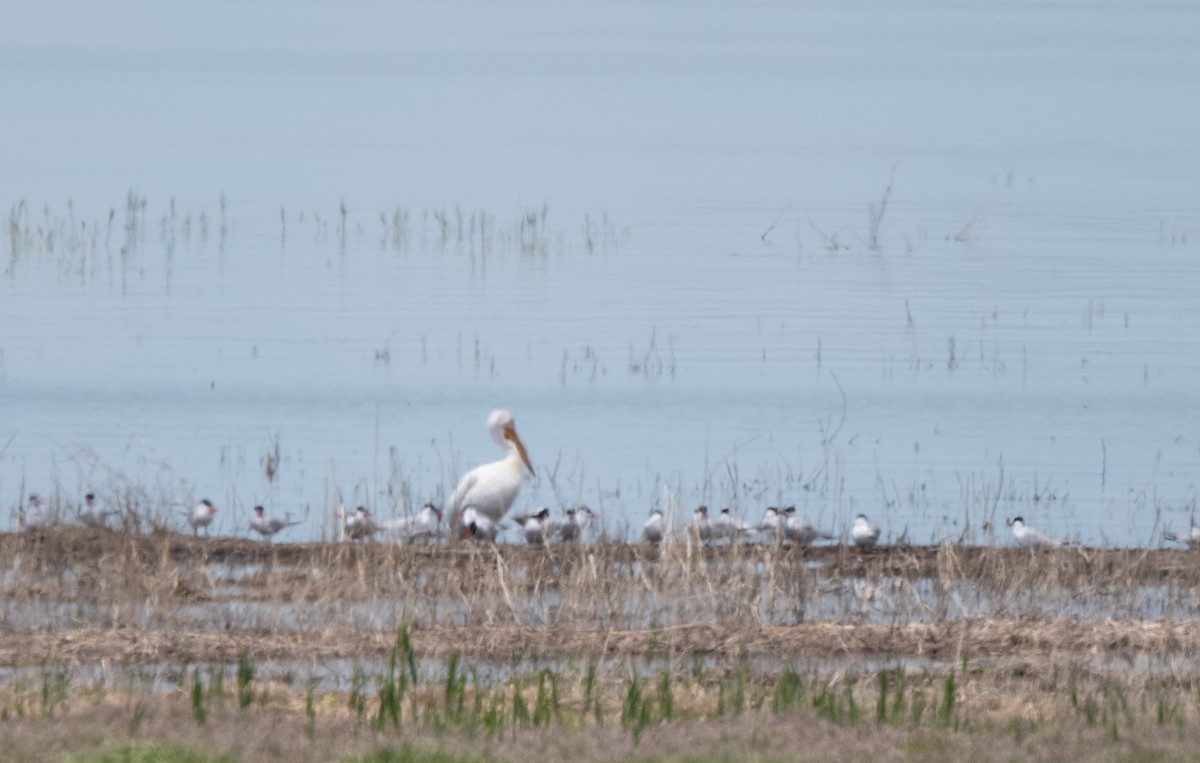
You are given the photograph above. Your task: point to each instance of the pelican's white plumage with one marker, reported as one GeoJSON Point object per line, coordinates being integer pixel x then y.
{"type": "Point", "coordinates": [490, 489]}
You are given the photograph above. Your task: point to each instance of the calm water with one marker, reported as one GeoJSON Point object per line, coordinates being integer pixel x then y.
{"type": "Point", "coordinates": [646, 229]}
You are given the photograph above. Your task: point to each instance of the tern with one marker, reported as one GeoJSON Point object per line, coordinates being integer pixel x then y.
{"type": "Point", "coordinates": [864, 532]}
{"type": "Point", "coordinates": [1191, 538]}
{"type": "Point", "coordinates": [478, 525]}
{"type": "Point", "coordinates": [652, 531]}
{"type": "Point", "coordinates": [268, 526]}
{"type": "Point", "coordinates": [701, 524]}
{"type": "Point", "coordinates": [1027, 536]}
{"type": "Point", "coordinates": [34, 516]}
{"type": "Point", "coordinates": [202, 516]}
{"type": "Point", "coordinates": [772, 521]}
{"type": "Point", "coordinates": [535, 526]}
{"type": "Point", "coordinates": [729, 526]}
{"type": "Point", "coordinates": [801, 530]}
{"type": "Point", "coordinates": [360, 525]}
{"type": "Point", "coordinates": [571, 528]}
{"type": "Point", "coordinates": [490, 489]}
{"type": "Point", "coordinates": [423, 525]}
{"type": "Point", "coordinates": [92, 515]}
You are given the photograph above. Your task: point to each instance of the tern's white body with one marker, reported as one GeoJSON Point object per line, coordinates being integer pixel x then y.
{"type": "Point", "coordinates": [360, 525]}
{"type": "Point", "coordinates": [864, 532]}
{"type": "Point", "coordinates": [479, 526]}
{"type": "Point", "coordinates": [490, 489]}
{"type": "Point", "coordinates": [652, 531]}
{"type": "Point", "coordinates": [92, 515]}
{"type": "Point", "coordinates": [1027, 536]}
{"type": "Point", "coordinates": [799, 530]}
{"type": "Point", "coordinates": [771, 521]}
{"type": "Point", "coordinates": [571, 528]}
{"type": "Point", "coordinates": [267, 526]}
{"type": "Point", "coordinates": [422, 525]}
{"type": "Point", "coordinates": [701, 526]}
{"type": "Point", "coordinates": [1191, 538]}
{"type": "Point", "coordinates": [535, 528]}
{"type": "Point", "coordinates": [202, 516]}
{"type": "Point", "coordinates": [34, 515]}
{"type": "Point", "coordinates": [729, 526]}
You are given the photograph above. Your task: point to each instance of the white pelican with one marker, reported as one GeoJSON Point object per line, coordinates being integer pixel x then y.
{"type": "Point", "coordinates": [729, 526]}
{"type": "Point", "coordinates": [864, 532]}
{"type": "Point", "coordinates": [701, 524]}
{"type": "Point", "coordinates": [92, 515]}
{"type": "Point", "coordinates": [268, 526]}
{"type": "Point", "coordinates": [801, 530]}
{"type": "Point", "coordinates": [422, 525]}
{"type": "Point", "coordinates": [1191, 538]}
{"type": "Point", "coordinates": [1027, 536]}
{"type": "Point", "coordinates": [202, 516]}
{"type": "Point", "coordinates": [479, 525]}
{"type": "Point", "coordinates": [652, 531]}
{"type": "Point", "coordinates": [490, 489]}
{"type": "Point", "coordinates": [360, 525]}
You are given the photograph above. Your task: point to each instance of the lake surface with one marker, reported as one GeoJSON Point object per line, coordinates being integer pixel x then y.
{"type": "Point", "coordinates": [934, 262]}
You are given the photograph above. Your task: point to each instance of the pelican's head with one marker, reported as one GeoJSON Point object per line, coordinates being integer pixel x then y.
{"type": "Point", "coordinates": [504, 431]}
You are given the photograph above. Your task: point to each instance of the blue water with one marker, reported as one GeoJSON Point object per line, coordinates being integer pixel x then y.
{"type": "Point", "coordinates": [644, 228]}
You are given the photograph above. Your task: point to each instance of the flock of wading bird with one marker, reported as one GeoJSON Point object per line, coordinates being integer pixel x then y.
{"type": "Point", "coordinates": [485, 494]}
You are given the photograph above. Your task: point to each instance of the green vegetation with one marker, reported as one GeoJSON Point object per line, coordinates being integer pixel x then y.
{"type": "Point", "coordinates": [150, 752]}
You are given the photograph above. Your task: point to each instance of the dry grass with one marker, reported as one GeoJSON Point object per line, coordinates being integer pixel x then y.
{"type": "Point", "coordinates": [1029, 648]}
{"type": "Point", "coordinates": [1029, 640]}
{"type": "Point", "coordinates": [905, 600]}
